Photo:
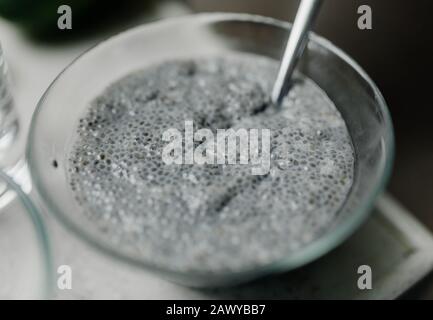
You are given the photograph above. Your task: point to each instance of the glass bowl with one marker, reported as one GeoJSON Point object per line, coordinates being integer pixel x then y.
{"type": "Point", "coordinates": [25, 263]}
{"type": "Point", "coordinates": [355, 95]}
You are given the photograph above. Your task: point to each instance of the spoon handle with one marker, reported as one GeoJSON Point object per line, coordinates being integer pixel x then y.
{"type": "Point", "coordinates": [295, 46]}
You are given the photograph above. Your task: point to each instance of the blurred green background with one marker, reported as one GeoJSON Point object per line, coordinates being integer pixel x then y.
{"type": "Point", "coordinates": [38, 18]}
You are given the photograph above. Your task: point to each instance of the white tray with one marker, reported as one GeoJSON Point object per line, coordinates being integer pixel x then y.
{"type": "Point", "coordinates": [395, 245]}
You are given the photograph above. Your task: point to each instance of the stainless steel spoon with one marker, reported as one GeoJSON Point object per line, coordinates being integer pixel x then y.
{"type": "Point", "coordinates": [296, 43]}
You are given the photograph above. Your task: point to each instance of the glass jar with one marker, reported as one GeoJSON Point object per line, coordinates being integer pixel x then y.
{"type": "Point", "coordinates": [11, 140]}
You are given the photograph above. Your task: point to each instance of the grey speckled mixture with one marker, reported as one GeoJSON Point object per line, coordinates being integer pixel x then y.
{"type": "Point", "coordinates": [210, 218]}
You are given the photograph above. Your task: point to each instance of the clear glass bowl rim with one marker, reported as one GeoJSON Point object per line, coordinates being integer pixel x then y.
{"type": "Point", "coordinates": [308, 253]}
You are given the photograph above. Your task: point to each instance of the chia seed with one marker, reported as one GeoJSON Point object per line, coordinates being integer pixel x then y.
{"type": "Point", "coordinates": [210, 217]}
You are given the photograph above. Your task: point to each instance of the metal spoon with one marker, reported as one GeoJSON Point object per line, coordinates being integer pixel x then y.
{"type": "Point", "coordinates": [296, 43]}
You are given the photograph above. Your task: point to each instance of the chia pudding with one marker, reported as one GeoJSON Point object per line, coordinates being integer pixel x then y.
{"type": "Point", "coordinates": [210, 217]}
